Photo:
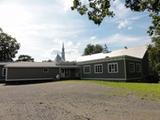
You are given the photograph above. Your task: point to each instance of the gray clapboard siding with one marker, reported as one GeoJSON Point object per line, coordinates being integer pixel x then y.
{"type": "Point", "coordinates": [31, 73]}
{"type": "Point", "coordinates": [119, 75]}
{"type": "Point", "coordinates": [134, 74]}
{"type": "Point", "coordinates": [1, 67]}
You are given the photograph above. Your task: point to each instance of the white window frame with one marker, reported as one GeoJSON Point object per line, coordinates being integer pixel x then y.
{"type": "Point", "coordinates": [95, 68]}
{"type": "Point", "coordinates": [3, 72]}
{"type": "Point", "coordinates": [130, 70]}
{"type": "Point", "coordinates": [85, 67]}
{"type": "Point", "coordinates": [45, 69]}
{"type": "Point", "coordinates": [115, 63]}
{"type": "Point", "coordinates": [140, 67]}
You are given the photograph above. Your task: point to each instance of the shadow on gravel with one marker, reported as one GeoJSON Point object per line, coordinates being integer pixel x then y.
{"type": "Point", "coordinates": [30, 82]}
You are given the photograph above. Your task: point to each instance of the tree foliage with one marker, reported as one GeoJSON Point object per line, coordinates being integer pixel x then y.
{"type": "Point", "coordinates": [92, 49]}
{"type": "Point", "coordinates": [154, 48]}
{"type": "Point", "coordinates": [97, 10]}
{"type": "Point", "coordinates": [25, 58]}
{"type": "Point", "coordinates": [8, 47]}
{"type": "Point", "coordinates": [142, 5]}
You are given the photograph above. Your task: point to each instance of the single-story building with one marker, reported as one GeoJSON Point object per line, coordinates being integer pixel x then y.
{"type": "Point", "coordinates": [128, 64]}
{"type": "Point", "coordinates": [23, 71]}
{"type": "Point", "coordinates": [2, 71]}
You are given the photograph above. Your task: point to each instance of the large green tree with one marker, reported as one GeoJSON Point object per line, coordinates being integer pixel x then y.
{"type": "Point", "coordinates": [97, 10]}
{"type": "Point", "coordinates": [25, 58]}
{"type": "Point", "coordinates": [154, 48]}
{"type": "Point", "coordinates": [8, 47]}
{"type": "Point", "coordinates": [92, 49]}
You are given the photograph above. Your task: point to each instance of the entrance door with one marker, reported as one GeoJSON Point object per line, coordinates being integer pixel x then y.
{"type": "Point", "coordinates": [65, 73]}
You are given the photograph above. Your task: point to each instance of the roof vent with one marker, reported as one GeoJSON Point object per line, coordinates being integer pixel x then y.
{"type": "Point", "coordinates": [125, 47]}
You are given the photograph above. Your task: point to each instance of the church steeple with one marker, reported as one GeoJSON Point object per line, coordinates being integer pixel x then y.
{"type": "Point", "coordinates": [63, 52]}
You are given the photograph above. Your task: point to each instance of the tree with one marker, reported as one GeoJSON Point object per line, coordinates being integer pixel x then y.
{"type": "Point", "coordinates": [92, 49]}
{"type": "Point", "coordinates": [8, 47]}
{"type": "Point", "coordinates": [49, 60]}
{"type": "Point", "coordinates": [97, 10]}
{"type": "Point", "coordinates": [25, 58]}
{"type": "Point", "coordinates": [105, 49]}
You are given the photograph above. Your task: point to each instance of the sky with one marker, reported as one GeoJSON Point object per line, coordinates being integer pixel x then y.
{"type": "Point", "coordinates": [41, 26]}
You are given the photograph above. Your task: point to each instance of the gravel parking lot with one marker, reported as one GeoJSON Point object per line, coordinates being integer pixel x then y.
{"type": "Point", "coordinates": [72, 101]}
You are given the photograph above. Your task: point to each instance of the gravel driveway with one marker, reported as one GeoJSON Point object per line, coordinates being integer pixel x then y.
{"type": "Point", "coordinates": [72, 101]}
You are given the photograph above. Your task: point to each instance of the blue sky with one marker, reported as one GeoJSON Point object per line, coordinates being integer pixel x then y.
{"type": "Point", "coordinates": [41, 26]}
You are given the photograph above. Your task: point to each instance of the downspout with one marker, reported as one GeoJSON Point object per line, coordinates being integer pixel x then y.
{"type": "Point", "coordinates": [125, 70]}
{"type": "Point", "coordinates": [6, 75]}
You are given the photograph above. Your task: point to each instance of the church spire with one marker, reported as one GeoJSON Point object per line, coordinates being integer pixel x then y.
{"type": "Point", "coordinates": [63, 52]}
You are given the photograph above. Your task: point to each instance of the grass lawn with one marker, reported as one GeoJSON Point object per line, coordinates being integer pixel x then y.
{"type": "Point", "coordinates": [143, 90]}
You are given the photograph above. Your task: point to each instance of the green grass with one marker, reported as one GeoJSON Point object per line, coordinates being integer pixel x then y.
{"type": "Point", "coordinates": [143, 90]}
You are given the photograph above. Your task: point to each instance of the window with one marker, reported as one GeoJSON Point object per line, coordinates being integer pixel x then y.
{"type": "Point", "coordinates": [113, 68]}
{"type": "Point", "coordinates": [131, 67]}
{"type": "Point", "coordinates": [86, 69]}
{"type": "Point", "coordinates": [45, 70]}
{"type": "Point", "coordinates": [3, 72]}
{"type": "Point", "coordinates": [98, 68]}
{"type": "Point", "coordinates": [138, 67]}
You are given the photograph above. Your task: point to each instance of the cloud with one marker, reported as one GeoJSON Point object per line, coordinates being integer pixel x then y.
{"type": "Point", "coordinates": [119, 9]}
{"type": "Point", "coordinates": [121, 40]}
{"type": "Point", "coordinates": [123, 24]}
{"type": "Point", "coordinates": [40, 28]}
{"type": "Point", "coordinates": [93, 37]}
{"type": "Point", "coordinates": [118, 40]}
{"type": "Point", "coordinates": [66, 4]}
{"type": "Point", "coordinates": [124, 17]}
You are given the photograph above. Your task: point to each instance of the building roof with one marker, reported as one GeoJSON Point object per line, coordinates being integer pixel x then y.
{"type": "Point", "coordinates": [137, 52]}
{"type": "Point", "coordinates": [40, 64]}
{"type": "Point", "coordinates": [31, 64]}
{"type": "Point", "coordinates": [3, 63]}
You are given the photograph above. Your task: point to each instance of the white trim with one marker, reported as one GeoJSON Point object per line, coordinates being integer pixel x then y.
{"type": "Point", "coordinates": [84, 72]}
{"type": "Point", "coordinates": [118, 58]}
{"type": "Point", "coordinates": [111, 79]}
{"type": "Point", "coordinates": [104, 79]}
{"type": "Point", "coordinates": [6, 74]}
{"type": "Point", "coordinates": [3, 72]}
{"type": "Point", "coordinates": [125, 69]}
{"type": "Point", "coordinates": [132, 63]}
{"type": "Point", "coordinates": [113, 63]}
{"type": "Point", "coordinates": [97, 72]}
{"type": "Point", "coordinates": [26, 79]}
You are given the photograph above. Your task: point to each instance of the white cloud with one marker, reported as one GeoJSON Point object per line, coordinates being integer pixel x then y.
{"type": "Point", "coordinates": [41, 29]}
{"type": "Point", "coordinates": [123, 24]}
{"type": "Point", "coordinates": [66, 4]}
{"type": "Point", "coordinates": [124, 17]}
{"type": "Point", "coordinates": [127, 40]}
{"type": "Point", "coordinates": [93, 37]}
{"type": "Point", "coordinates": [119, 9]}
{"type": "Point", "coordinates": [118, 40]}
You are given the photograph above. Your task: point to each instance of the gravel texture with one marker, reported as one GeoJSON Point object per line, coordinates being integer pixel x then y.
{"type": "Point", "coordinates": [72, 101]}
